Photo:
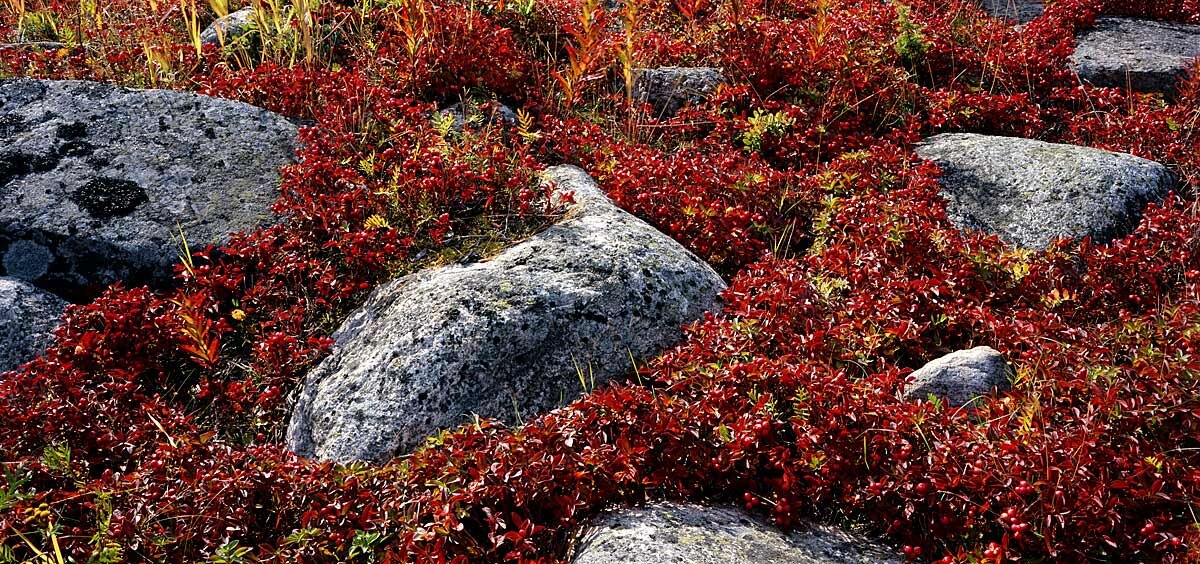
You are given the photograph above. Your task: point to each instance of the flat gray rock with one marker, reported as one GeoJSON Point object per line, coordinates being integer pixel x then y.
{"type": "Point", "coordinates": [1020, 10]}
{"type": "Point", "coordinates": [1147, 55]}
{"type": "Point", "coordinates": [505, 336]}
{"type": "Point", "coordinates": [960, 376]}
{"type": "Point", "coordinates": [1031, 192]}
{"type": "Point", "coordinates": [669, 89]}
{"type": "Point", "coordinates": [228, 29]}
{"type": "Point", "coordinates": [95, 179]}
{"type": "Point", "coordinates": [28, 316]}
{"type": "Point", "coordinates": [677, 533]}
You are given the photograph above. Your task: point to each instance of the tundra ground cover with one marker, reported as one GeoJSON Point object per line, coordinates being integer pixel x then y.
{"type": "Point", "coordinates": [151, 430]}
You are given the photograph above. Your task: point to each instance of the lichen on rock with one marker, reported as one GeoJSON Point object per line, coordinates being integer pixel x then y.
{"type": "Point", "coordinates": [102, 178]}
{"type": "Point", "coordinates": [1030, 192]}
{"type": "Point", "coordinates": [507, 338]}
{"type": "Point", "coordinates": [688, 533]}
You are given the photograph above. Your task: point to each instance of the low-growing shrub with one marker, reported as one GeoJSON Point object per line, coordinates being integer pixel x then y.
{"type": "Point", "coordinates": [151, 430]}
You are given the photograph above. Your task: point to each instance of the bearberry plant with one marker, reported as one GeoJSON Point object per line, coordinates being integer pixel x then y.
{"type": "Point", "coordinates": [152, 429]}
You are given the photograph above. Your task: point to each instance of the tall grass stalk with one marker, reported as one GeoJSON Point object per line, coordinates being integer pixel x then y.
{"type": "Point", "coordinates": [582, 53]}
{"type": "Point", "coordinates": [191, 20]}
{"type": "Point", "coordinates": [17, 9]}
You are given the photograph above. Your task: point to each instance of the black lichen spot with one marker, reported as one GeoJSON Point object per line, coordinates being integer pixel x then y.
{"type": "Point", "coordinates": [105, 198]}
{"type": "Point", "coordinates": [12, 124]}
{"type": "Point", "coordinates": [73, 130]}
{"type": "Point", "coordinates": [9, 169]}
{"type": "Point", "coordinates": [594, 316]}
{"type": "Point", "coordinates": [16, 165]}
{"type": "Point", "coordinates": [41, 163]}
{"type": "Point", "coordinates": [76, 148]}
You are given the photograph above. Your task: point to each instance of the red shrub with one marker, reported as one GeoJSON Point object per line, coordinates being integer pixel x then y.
{"type": "Point", "coordinates": [151, 430]}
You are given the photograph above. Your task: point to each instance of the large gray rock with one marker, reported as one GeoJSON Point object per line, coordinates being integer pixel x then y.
{"type": "Point", "coordinates": [95, 179]}
{"type": "Point", "coordinates": [505, 336]}
{"type": "Point", "coordinates": [1030, 192]}
{"type": "Point", "coordinates": [961, 376]}
{"type": "Point", "coordinates": [674, 533]}
{"type": "Point", "coordinates": [230, 28]}
{"type": "Point", "coordinates": [28, 316]}
{"type": "Point", "coordinates": [1019, 10]}
{"type": "Point", "coordinates": [1147, 55]}
{"type": "Point", "coordinates": [668, 89]}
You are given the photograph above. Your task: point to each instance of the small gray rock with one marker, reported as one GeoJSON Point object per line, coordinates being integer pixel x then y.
{"type": "Point", "coordinates": [961, 376]}
{"type": "Point", "coordinates": [35, 46]}
{"type": "Point", "coordinates": [504, 336]}
{"type": "Point", "coordinates": [96, 179]}
{"type": "Point", "coordinates": [1147, 55]}
{"type": "Point", "coordinates": [1020, 10]}
{"type": "Point", "coordinates": [28, 316]}
{"type": "Point", "coordinates": [676, 533]}
{"type": "Point", "coordinates": [229, 29]}
{"type": "Point", "coordinates": [668, 89]}
{"type": "Point", "coordinates": [480, 115]}
{"type": "Point", "coordinates": [1031, 192]}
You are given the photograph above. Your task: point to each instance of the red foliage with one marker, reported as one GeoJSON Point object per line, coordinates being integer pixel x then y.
{"type": "Point", "coordinates": [797, 180]}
